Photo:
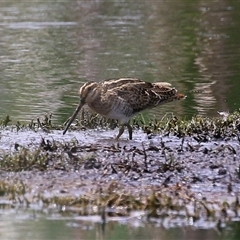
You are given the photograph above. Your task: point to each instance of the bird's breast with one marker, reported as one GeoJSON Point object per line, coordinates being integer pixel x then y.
{"type": "Point", "coordinates": [113, 108]}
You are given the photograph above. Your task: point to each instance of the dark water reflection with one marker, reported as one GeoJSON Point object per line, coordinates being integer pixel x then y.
{"type": "Point", "coordinates": [48, 49]}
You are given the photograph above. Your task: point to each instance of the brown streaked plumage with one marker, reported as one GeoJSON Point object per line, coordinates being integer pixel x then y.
{"type": "Point", "coordinates": [121, 98]}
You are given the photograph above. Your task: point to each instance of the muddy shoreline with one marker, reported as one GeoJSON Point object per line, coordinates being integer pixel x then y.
{"type": "Point", "coordinates": [167, 175]}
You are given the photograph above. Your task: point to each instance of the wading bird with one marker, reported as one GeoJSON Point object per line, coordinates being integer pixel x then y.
{"type": "Point", "coordinates": [122, 98]}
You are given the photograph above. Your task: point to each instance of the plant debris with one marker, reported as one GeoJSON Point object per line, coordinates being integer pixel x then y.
{"type": "Point", "coordinates": [178, 168]}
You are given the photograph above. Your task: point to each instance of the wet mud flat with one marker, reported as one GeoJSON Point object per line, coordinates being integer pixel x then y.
{"type": "Point", "coordinates": [182, 172]}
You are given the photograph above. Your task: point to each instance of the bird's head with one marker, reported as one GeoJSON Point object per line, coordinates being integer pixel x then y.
{"type": "Point", "coordinates": [87, 93]}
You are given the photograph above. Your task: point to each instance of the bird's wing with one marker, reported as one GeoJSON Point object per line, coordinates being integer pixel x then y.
{"type": "Point", "coordinates": [113, 83]}
{"type": "Point", "coordinates": [142, 95]}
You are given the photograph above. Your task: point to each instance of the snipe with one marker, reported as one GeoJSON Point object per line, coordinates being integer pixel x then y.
{"type": "Point", "coordinates": [121, 98]}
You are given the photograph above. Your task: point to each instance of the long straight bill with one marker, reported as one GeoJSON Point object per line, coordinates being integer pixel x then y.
{"type": "Point", "coordinates": [80, 105]}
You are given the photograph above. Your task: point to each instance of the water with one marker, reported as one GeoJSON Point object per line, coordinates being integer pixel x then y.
{"type": "Point", "coordinates": [24, 224]}
{"type": "Point", "coordinates": [48, 49]}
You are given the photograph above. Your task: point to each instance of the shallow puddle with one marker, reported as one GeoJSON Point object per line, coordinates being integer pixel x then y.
{"type": "Point", "coordinates": [37, 224]}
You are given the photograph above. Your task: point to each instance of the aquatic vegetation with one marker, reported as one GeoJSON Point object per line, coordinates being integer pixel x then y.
{"type": "Point", "coordinates": [201, 128]}
{"type": "Point", "coordinates": [5, 121]}
{"type": "Point", "coordinates": [14, 191]}
{"type": "Point", "coordinates": [168, 175]}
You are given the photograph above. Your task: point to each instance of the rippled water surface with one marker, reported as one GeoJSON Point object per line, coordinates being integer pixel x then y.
{"type": "Point", "coordinates": [49, 48]}
{"type": "Point", "coordinates": [21, 224]}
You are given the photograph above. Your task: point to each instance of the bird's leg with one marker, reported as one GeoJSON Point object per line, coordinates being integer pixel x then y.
{"type": "Point", "coordinates": [129, 130]}
{"type": "Point", "coordinates": [121, 130]}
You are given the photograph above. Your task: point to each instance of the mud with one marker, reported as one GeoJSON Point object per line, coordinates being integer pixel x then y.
{"type": "Point", "coordinates": [89, 171]}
